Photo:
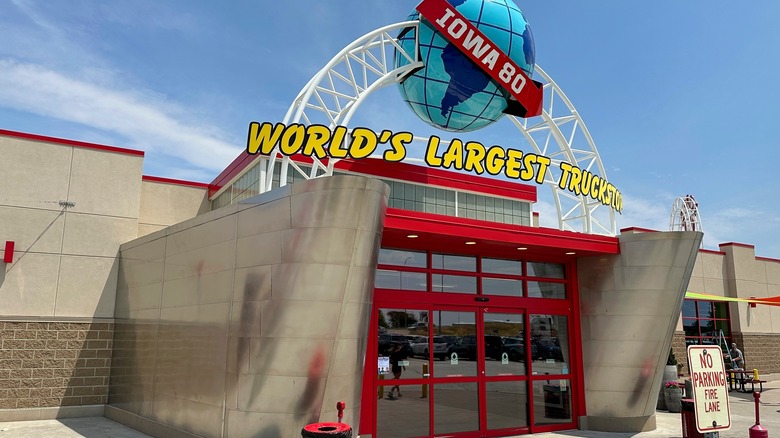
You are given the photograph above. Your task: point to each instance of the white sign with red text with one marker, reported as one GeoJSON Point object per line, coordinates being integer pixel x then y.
{"type": "Point", "coordinates": [710, 388]}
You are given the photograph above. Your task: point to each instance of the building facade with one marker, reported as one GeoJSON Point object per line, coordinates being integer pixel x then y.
{"type": "Point", "coordinates": [172, 305]}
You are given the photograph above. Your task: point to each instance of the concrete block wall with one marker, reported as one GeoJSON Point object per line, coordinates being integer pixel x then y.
{"type": "Point", "coordinates": [53, 364]}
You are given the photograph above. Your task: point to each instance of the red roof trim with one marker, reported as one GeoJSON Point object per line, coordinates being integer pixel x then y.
{"type": "Point", "coordinates": [239, 164]}
{"type": "Point", "coordinates": [400, 171]}
{"type": "Point", "coordinates": [768, 259]}
{"type": "Point", "coordinates": [744, 245]}
{"type": "Point", "coordinates": [66, 142]}
{"type": "Point", "coordinates": [711, 251]}
{"type": "Point", "coordinates": [180, 182]}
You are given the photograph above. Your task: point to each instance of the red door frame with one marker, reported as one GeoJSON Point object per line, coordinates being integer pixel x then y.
{"type": "Point", "coordinates": [432, 301]}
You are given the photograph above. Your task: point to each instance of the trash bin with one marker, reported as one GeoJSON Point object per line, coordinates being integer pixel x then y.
{"type": "Point", "coordinates": [326, 430]}
{"type": "Point", "coordinates": [688, 415]}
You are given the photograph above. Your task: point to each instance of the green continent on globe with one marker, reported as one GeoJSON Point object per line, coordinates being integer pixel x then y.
{"type": "Point", "coordinates": [451, 92]}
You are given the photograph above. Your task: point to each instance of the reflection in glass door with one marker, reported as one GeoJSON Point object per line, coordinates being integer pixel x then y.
{"type": "Point", "coordinates": [455, 390]}
{"type": "Point", "coordinates": [403, 363]}
{"type": "Point", "coordinates": [550, 358]}
{"type": "Point", "coordinates": [505, 358]}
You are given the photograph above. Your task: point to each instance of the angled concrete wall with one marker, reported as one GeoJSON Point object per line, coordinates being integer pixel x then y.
{"type": "Point", "coordinates": [250, 320]}
{"type": "Point", "coordinates": [630, 304]}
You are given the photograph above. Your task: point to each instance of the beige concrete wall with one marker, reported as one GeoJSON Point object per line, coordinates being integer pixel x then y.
{"type": "Point", "coordinates": [748, 277]}
{"type": "Point", "coordinates": [251, 320]}
{"type": "Point", "coordinates": [164, 204]}
{"type": "Point", "coordinates": [65, 258]}
{"type": "Point", "coordinates": [630, 305]}
{"type": "Point", "coordinates": [735, 271]}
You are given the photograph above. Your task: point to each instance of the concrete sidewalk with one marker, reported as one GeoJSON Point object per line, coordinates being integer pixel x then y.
{"type": "Point", "coordinates": [669, 424]}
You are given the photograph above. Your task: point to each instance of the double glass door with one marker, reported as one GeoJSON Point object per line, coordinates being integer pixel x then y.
{"type": "Point", "coordinates": [469, 371]}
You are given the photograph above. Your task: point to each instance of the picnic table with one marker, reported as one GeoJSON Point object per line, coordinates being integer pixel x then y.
{"type": "Point", "coordinates": [738, 379]}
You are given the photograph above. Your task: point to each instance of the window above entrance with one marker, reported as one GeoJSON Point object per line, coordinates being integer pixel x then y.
{"type": "Point", "coordinates": [436, 272]}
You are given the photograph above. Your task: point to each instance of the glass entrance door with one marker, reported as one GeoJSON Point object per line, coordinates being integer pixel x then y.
{"type": "Point", "coordinates": [506, 373]}
{"type": "Point", "coordinates": [452, 371]}
{"type": "Point", "coordinates": [470, 346]}
{"type": "Point", "coordinates": [427, 384]}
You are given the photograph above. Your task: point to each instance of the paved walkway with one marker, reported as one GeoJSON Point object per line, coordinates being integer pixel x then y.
{"type": "Point", "coordinates": [669, 424]}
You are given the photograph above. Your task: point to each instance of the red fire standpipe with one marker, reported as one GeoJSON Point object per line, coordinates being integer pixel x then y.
{"type": "Point", "coordinates": [340, 406]}
{"type": "Point", "coordinates": [757, 431]}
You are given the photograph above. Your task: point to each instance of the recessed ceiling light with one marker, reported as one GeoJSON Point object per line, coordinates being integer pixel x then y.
{"type": "Point", "coordinates": [412, 236]}
{"type": "Point", "coordinates": [571, 253]}
{"type": "Point", "coordinates": [521, 248]}
{"type": "Point", "coordinates": [471, 243]}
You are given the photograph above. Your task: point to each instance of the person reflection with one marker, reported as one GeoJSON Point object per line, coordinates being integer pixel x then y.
{"type": "Point", "coordinates": [397, 356]}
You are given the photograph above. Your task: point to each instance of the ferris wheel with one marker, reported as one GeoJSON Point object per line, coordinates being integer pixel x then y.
{"type": "Point", "coordinates": [335, 93]}
{"type": "Point", "coordinates": [685, 215]}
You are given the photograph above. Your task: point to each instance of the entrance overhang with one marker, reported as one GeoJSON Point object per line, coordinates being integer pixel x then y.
{"type": "Point", "coordinates": [446, 234]}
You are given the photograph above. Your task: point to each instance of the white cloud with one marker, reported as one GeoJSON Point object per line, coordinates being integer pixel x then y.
{"type": "Point", "coordinates": [147, 120]}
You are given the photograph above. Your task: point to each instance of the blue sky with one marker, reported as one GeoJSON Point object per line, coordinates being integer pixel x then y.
{"type": "Point", "coordinates": [681, 97]}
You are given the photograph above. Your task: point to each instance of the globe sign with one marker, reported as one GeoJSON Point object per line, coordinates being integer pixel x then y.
{"type": "Point", "coordinates": [451, 92]}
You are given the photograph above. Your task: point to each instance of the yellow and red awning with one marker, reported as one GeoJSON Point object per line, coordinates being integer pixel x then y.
{"type": "Point", "coordinates": [770, 301]}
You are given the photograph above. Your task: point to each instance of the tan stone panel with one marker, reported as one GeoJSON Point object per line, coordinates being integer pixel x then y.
{"type": "Point", "coordinates": [253, 283]}
{"type": "Point", "coordinates": [345, 362]}
{"type": "Point", "coordinates": [712, 265]}
{"type": "Point", "coordinates": [201, 235]}
{"type": "Point", "coordinates": [201, 261]}
{"type": "Point", "coordinates": [215, 287]}
{"type": "Point", "coordinates": [241, 423]}
{"type": "Point", "coordinates": [625, 303]}
{"type": "Point", "coordinates": [285, 319]}
{"type": "Point", "coordinates": [258, 219]}
{"type": "Point", "coordinates": [246, 318]}
{"type": "Point", "coordinates": [259, 249]}
{"type": "Point", "coordinates": [288, 393]}
{"type": "Point", "coordinates": [355, 326]}
{"type": "Point", "coordinates": [360, 285]}
{"type": "Point", "coordinates": [87, 287]}
{"type": "Point", "coordinates": [306, 281]}
{"type": "Point", "coordinates": [106, 183]}
{"type": "Point", "coordinates": [612, 401]}
{"type": "Point", "coordinates": [166, 204]}
{"type": "Point", "coordinates": [144, 297]}
{"type": "Point", "coordinates": [147, 229]}
{"type": "Point", "coordinates": [772, 269]}
{"type": "Point", "coordinates": [94, 235]}
{"type": "Point", "coordinates": [341, 388]}
{"type": "Point", "coordinates": [628, 327]}
{"type": "Point", "coordinates": [30, 285]}
{"type": "Point", "coordinates": [327, 208]}
{"type": "Point", "coordinates": [316, 245]}
{"type": "Point", "coordinates": [36, 173]}
{"type": "Point", "coordinates": [31, 229]}
{"type": "Point", "coordinates": [714, 286]}
{"type": "Point", "coordinates": [645, 278]}
{"type": "Point", "coordinates": [206, 315]}
{"type": "Point", "coordinates": [299, 354]}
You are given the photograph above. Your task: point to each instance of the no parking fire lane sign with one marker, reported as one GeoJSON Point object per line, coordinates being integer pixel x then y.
{"type": "Point", "coordinates": [710, 388]}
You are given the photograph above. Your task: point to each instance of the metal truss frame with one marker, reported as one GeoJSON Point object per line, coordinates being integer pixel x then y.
{"type": "Point", "coordinates": [685, 215]}
{"type": "Point", "coordinates": [335, 93]}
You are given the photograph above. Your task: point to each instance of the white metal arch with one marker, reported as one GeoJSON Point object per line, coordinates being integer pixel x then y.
{"type": "Point", "coordinates": [685, 215]}
{"type": "Point", "coordinates": [335, 93]}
